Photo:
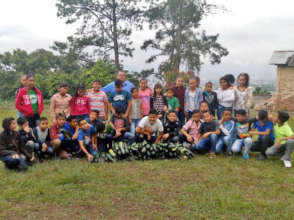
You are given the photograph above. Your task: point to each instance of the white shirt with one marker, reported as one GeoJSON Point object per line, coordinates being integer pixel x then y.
{"type": "Point", "coordinates": [192, 101]}
{"type": "Point", "coordinates": [226, 97]}
{"type": "Point", "coordinates": [156, 127]}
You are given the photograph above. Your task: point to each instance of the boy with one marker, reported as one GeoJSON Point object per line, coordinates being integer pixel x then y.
{"type": "Point", "coordinates": [171, 128]}
{"type": "Point", "coordinates": [120, 98]}
{"type": "Point", "coordinates": [120, 127]}
{"type": "Point", "coordinates": [172, 102]}
{"type": "Point", "coordinates": [208, 136]}
{"type": "Point", "coordinates": [190, 130]}
{"type": "Point", "coordinates": [94, 119]}
{"type": "Point", "coordinates": [150, 128]}
{"type": "Point", "coordinates": [86, 139]}
{"type": "Point", "coordinates": [265, 131]}
{"type": "Point", "coordinates": [193, 97]}
{"type": "Point", "coordinates": [210, 97]}
{"type": "Point", "coordinates": [70, 132]}
{"type": "Point", "coordinates": [179, 92]}
{"type": "Point", "coordinates": [243, 136]}
{"type": "Point", "coordinates": [42, 135]}
{"type": "Point", "coordinates": [9, 146]}
{"type": "Point", "coordinates": [284, 139]}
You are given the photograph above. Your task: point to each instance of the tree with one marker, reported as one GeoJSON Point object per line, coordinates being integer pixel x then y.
{"type": "Point", "coordinates": [106, 25]}
{"type": "Point", "coordinates": [178, 36]}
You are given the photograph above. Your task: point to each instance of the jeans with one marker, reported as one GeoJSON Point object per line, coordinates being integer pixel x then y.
{"type": "Point", "coordinates": [14, 164]}
{"type": "Point", "coordinates": [33, 121]}
{"type": "Point", "coordinates": [134, 125]}
{"type": "Point", "coordinates": [285, 150]}
{"type": "Point", "coordinates": [89, 147]}
{"type": "Point", "coordinates": [206, 144]}
{"type": "Point", "coordinates": [38, 148]}
{"type": "Point", "coordinates": [262, 144]}
{"type": "Point", "coordinates": [224, 141]}
{"type": "Point", "coordinates": [125, 136]}
{"type": "Point", "coordinates": [237, 145]}
{"type": "Point", "coordinates": [181, 116]}
{"type": "Point", "coordinates": [220, 111]}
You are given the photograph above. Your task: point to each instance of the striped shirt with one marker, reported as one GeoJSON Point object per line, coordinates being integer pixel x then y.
{"type": "Point", "coordinates": [97, 101]}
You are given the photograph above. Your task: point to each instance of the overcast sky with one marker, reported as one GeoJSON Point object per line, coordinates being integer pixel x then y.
{"type": "Point", "coordinates": [251, 30]}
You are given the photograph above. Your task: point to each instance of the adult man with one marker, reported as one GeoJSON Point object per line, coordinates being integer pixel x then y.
{"type": "Point", "coordinates": [60, 102]}
{"type": "Point", "coordinates": [127, 85]}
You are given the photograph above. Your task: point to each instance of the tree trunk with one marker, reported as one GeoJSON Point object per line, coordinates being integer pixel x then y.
{"type": "Point", "coordinates": [115, 36]}
{"type": "Point", "coordinates": [178, 40]}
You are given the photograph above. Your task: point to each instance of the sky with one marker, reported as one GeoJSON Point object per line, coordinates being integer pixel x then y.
{"type": "Point", "coordinates": [251, 30]}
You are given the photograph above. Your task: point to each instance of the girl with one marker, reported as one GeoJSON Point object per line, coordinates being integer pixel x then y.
{"type": "Point", "coordinates": [80, 104]}
{"type": "Point", "coordinates": [158, 101]}
{"type": "Point", "coordinates": [243, 94]}
{"type": "Point", "coordinates": [210, 97]}
{"type": "Point", "coordinates": [144, 95]}
{"type": "Point", "coordinates": [136, 110]}
{"type": "Point", "coordinates": [225, 96]}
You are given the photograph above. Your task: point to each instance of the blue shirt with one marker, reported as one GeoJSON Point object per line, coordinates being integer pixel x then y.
{"type": "Point", "coordinates": [67, 128]}
{"type": "Point", "coordinates": [120, 99]}
{"type": "Point", "coordinates": [127, 86]}
{"type": "Point", "coordinates": [228, 128]}
{"type": "Point", "coordinates": [85, 133]}
{"type": "Point", "coordinates": [262, 128]}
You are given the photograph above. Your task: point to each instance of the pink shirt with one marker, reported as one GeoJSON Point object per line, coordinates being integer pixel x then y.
{"type": "Point", "coordinates": [192, 128]}
{"type": "Point", "coordinates": [145, 97]}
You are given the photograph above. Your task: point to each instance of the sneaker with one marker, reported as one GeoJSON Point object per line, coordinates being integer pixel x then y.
{"type": "Point", "coordinates": [230, 154]}
{"type": "Point", "coordinates": [261, 157]}
{"type": "Point", "coordinates": [211, 155]}
{"type": "Point", "coordinates": [287, 163]}
{"type": "Point", "coordinates": [245, 156]}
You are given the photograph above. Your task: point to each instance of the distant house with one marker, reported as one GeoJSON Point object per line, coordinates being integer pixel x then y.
{"type": "Point", "coordinates": [284, 96]}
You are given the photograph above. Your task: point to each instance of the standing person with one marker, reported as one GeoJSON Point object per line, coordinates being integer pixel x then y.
{"type": "Point", "coordinates": [243, 94]}
{"type": "Point", "coordinates": [120, 98]}
{"type": "Point", "coordinates": [80, 104]}
{"type": "Point", "coordinates": [29, 102]}
{"type": "Point", "coordinates": [98, 100]}
{"type": "Point", "coordinates": [144, 95]}
{"type": "Point", "coordinates": [225, 96]}
{"type": "Point", "coordinates": [172, 101]}
{"type": "Point", "coordinates": [60, 102]}
{"type": "Point", "coordinates": [23, 83]}
{"type": "Point", "coordinates": [210, 97]}
{"type": "Point", "coordinates": [127, 85]}
{"type": "Point", "coordinates": [136, 110]}
{"type": "Point", "coordinates": [193, 97]}
{"type": "Point", "coordinates": [158, 102]}
{"type": "Point", "coordinates": [179, 92]}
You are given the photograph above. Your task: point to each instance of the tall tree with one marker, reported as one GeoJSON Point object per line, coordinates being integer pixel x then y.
{"type": "Point", "coordinates": [178, 36]}
{"type": "Point", "coordinates": [106, 25]}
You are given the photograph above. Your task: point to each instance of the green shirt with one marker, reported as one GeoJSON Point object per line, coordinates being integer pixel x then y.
{"type": "Point", "coordinates": [34, 100]}
{"type": "Point", "coordinates": [282, 131]}
{"type": "Point", "coordinates": [172, 103]}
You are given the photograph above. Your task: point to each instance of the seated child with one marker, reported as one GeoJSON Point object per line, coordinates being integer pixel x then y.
{"type": "Point", "coordinates": [284, 141]}
{"type": "Point", "coordinates": [42, 135]}
{"type": "Point", "coordinates": [94, 118]}
{"type": "Point", "coordinates": [150, 128]}
{"type": "Point", "coordinates": [227, 128]}
{"type": "Point", "coordinates": [265, 131]}
{"type": "Point", "coordinates": [243, 137]}
{"type": "Point", "coordinates": [208, 136]}
{"type": "Point", "coordinates": [10, 146]}
{"type": "Point", "coordinates": [86, 139]}
{"type": "Point", "coordinates": [171, 128]}
{"type": "Point", "coordinates": [120, 127]}
{"type": "Point", "coordinates": [190, 131]}
{"type": "Point", "coordinates": [70, 132]}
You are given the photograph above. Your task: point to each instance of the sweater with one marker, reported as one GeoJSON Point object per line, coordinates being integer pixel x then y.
{"type": "Point", "coordinates": [80, 106]}
{"type": "Point", "coordinates": [9, 143]}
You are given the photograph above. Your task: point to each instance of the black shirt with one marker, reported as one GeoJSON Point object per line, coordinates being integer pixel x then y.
{"type": "Point", "coordinates": [208, 127]}
{"type": "Point", "coordinates": [172, 128]}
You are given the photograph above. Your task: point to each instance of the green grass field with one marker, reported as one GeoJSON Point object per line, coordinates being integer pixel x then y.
{"type": "Point", "coordinates": [201, 188]}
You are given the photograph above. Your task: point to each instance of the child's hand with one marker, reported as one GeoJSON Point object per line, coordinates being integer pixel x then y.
{"type": "Point", "coordinates": [90, 157]}
{"type": "Point", "coordinates": [148, 137]}
{"type": "Point", "coordinates": [44, 147]}
{"type": "Point", "coordinates": [189, 138]}
{"type": "Point", "coordinates": [33, 159]}
{"type": "Point", "coordinates": [87, 138]}
{"type": "Point", "coordinates": [15, 156]}
{"type": "Point", "coordinates": [196, 141]}
{"type": "Point", "coordinates": [206, 135]}
{"type": "Point", "coordinates": [95, 147]}
{"type": "Point", "coordinates": [165, 136]}
{"type": "Point", "coordinates": [26, 129]}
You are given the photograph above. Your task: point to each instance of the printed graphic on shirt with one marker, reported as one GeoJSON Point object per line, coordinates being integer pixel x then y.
{"type": "Point", "coordinates": [242, 129]}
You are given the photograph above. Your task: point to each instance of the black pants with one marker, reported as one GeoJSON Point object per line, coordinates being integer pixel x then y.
{"type": "Point", "coordinates": [183, 138]}
{"type": "Point", "coordinates": [262, 145]}
{"type": "Point", "coordinates": [33, 121]}
{"type": "Point", "coordinates": [140, 138]}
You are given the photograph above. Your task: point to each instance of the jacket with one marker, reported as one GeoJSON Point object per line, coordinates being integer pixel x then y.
{"type": "Point", "coordinates": [47, 141]}
{"type": "Point", "coordinates": [198, 99]}
{"type": "Point", "coordinates": [9, 143]}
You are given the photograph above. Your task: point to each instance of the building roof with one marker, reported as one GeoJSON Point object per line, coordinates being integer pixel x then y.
{"type": "Point", "coordinates": [283, 57]}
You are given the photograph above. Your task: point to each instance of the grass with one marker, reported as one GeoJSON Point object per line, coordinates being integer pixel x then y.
{"type": "Point", "coordinates": [196, 189]}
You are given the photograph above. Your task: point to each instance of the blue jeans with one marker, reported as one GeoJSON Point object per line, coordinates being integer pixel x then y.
{"type": "Point", "coordinates": [237, 145]}
{"type": "Point", "coordinates": [206, 144]}
{"type": "Point", "coordinates": [134, 125]}
{"type": "Point", "coordinates": [89, 147]}
{"type": "Point", "coordinates": [224, 141]}
{"type": "Point", "coordinates": [19, 115]}
{"type": "Point", "coordinates": [181, 116]}
{"type": "Point", "coordinates": [220, 111]}
{"type": "Point", "coordinates": [14, 164]}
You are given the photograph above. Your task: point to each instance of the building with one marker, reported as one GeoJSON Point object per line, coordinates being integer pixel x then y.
{"type": "Point", "coordinates": [284, 96]}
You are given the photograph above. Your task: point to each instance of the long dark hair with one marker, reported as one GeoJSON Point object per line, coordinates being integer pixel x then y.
{"type": "Point", "coordinates": [80, 86]}
{"type": "Point", "coordinates": [157, 86]}
{"type": "Point", "coordinates": [226, 80]}
{"type": "Point", "coordinates": [247, 78]}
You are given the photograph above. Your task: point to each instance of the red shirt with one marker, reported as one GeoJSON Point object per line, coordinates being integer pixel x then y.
{"type": "Point", "coordinates": [54, 131]}
{"type": "Point", "coordinates": [179, 92]}
{"type": "Point", "coordinates": [80, 106]}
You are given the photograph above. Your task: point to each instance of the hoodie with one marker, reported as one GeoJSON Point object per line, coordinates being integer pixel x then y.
{"type": "Point", "coordinates": [9, 140]}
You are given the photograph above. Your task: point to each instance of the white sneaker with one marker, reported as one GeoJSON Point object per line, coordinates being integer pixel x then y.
{"type": "Point", "coordinates": [287, 163]}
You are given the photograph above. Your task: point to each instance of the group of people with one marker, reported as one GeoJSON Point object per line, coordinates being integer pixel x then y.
{"type": "Point", "coordinates": [205, 120]}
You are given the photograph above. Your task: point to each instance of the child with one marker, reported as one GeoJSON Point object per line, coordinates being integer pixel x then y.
{"type": "Point", "coordinates": [243, 94]}
{"type": "Point", "coordinates": [137, 110]}
{"type": "Point", "coordinates": [265, 131]}
{"type": "Point", "coordinates": [193, 97]}
{"type": "Point", "coordinates": [210, 97]}
{"type": "Point", "coordinates": [190, 131]}
{"type": "Point", "coordinates": [208, 136]}
{"type": "Point", "coordinates": [120, 98]}
{"type": "Point", "coordinates": [225, 96]}
{"type": "Point", "coordinates": [172, 102]}
{"type": "Point", "coordinates": [120, 127]}
{"type": "Point", "coordinates": [179, 92]}
{"type": "Point", "coordinates": [171, 128]}
{"type": "Point", "coordinates": [42, 135]}
{"type": "Point", "coordinates": [227, 127]}
{"type": "Point", "coordinates": [144, 95]}
{"type": "Point", "coordinates": [80, 104]}
{"type": "Point", "coordinates": [150, 128]}
{"type": "Point", "coordinates": [9, 146]}
{"type": "Point", "coordinates": [158, 101]}
{"type": "Point", "coordinates": [284, 139]}
{"type": "Point", "coordinates": [86, 140]}
{"type": "Point", "coordinates": [203, 107]}
{"type": "Point", "coordinates": [94, 119]}
{"type": "Point", "coordinates": [243, 136]}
